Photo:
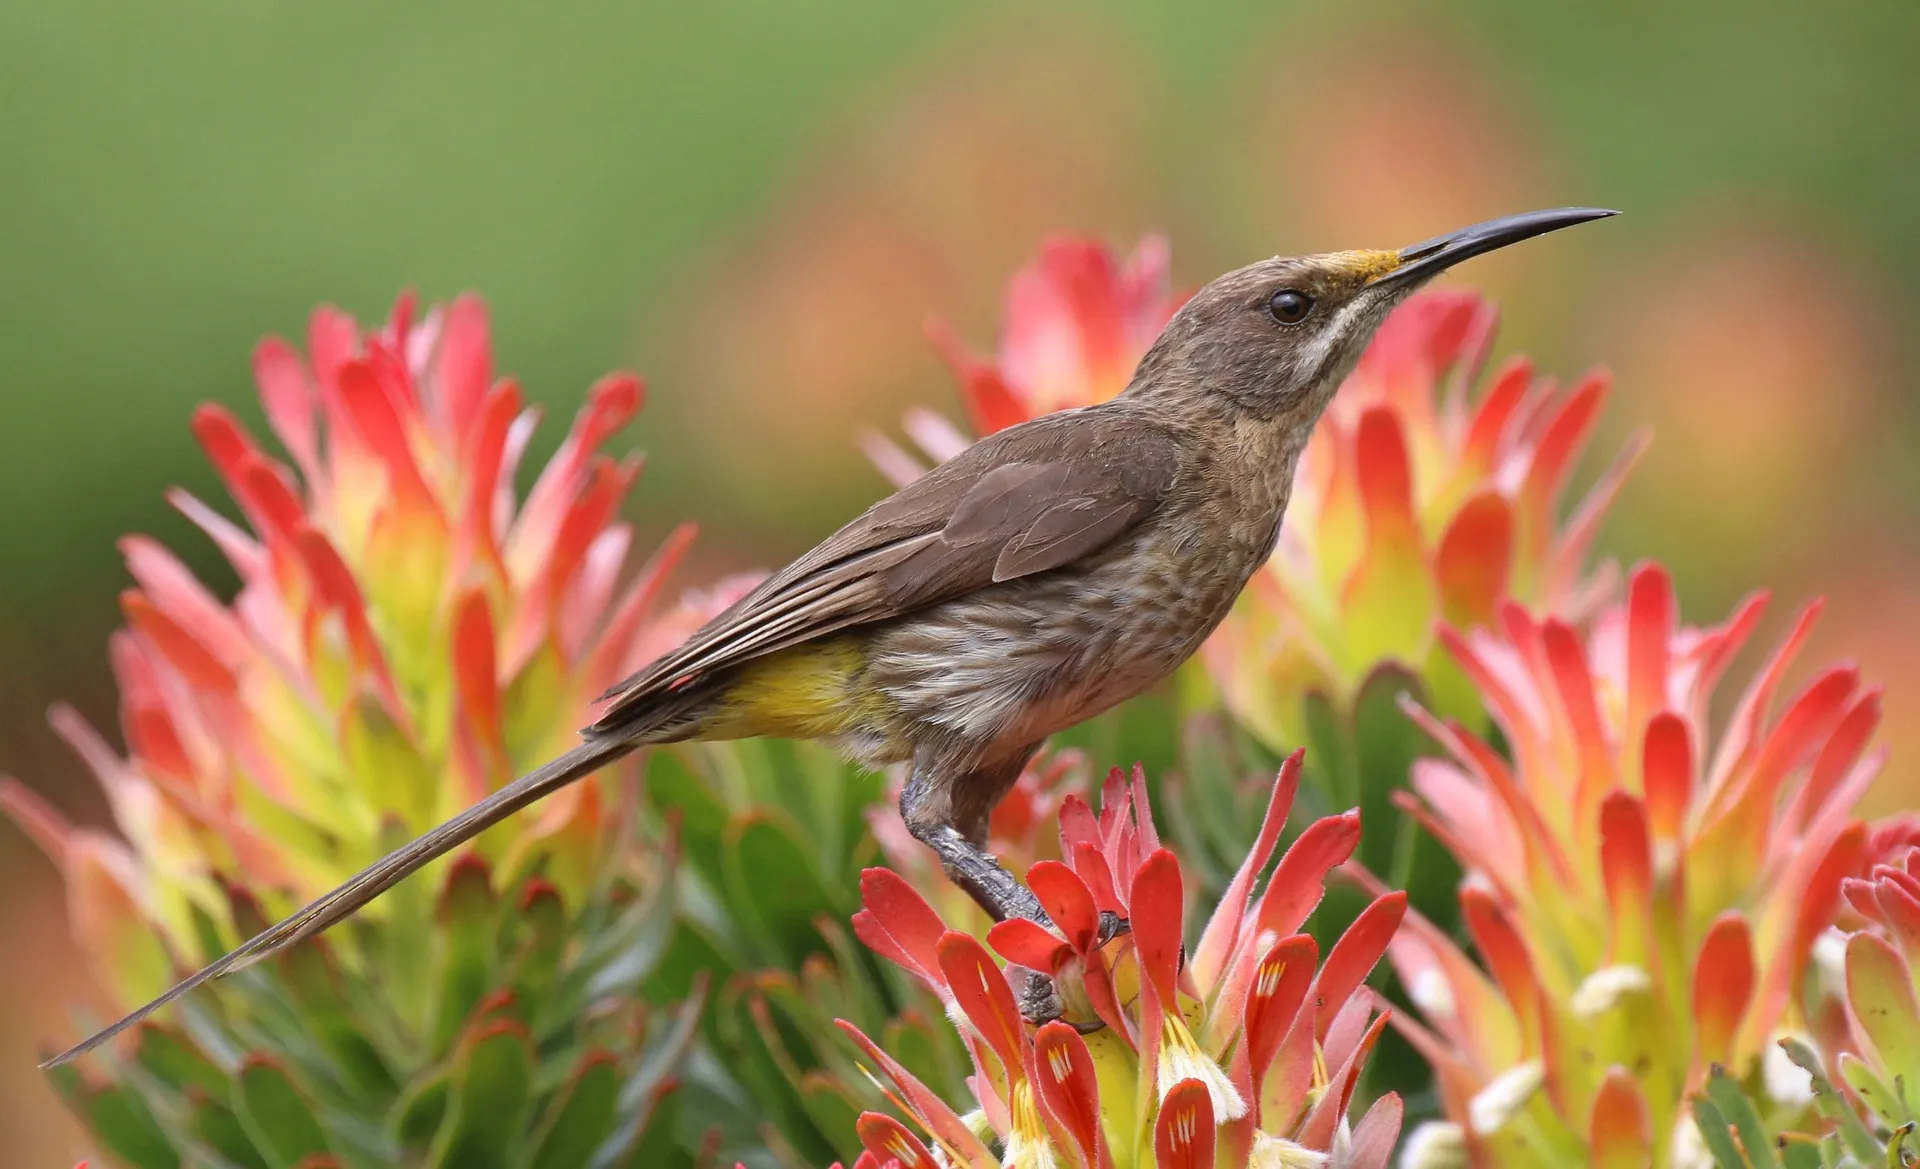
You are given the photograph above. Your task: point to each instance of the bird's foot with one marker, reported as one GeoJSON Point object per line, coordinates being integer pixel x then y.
{"type": "Point", "coordinates": [1040, 1004]}
{"type": "Point", "coordinates": [1112, 925]}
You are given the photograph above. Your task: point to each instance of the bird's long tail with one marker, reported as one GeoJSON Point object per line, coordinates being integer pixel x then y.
{"type": "Point", "coordinates": [383, 874]}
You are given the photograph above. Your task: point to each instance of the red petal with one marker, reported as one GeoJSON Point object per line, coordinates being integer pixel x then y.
{"type": "Point", "coordinates": [1386, 477]}
{"type": "Point", "coordinates": [484, 457]}
{"type": "Point", "coordinates": [1667, 773]}
{"type": "Point", "coordinates": [1376, 1134]}
{"type": "Point", "coordinates": [610, 659]}
{"type": "Point", "coordinates": [1323, 1119]}
{"type": "Point", "coordinates": [332, 341]}
{"type": "Point", "coordinates": [1835, 761]}
{"type": "Point", "coordinates": [1156, 905]}
{"type": "Point", "coordinates": [1222, 934]}
{"type": "Point", "coordinates": [1620, 1132]}
{"type": "Point", "coordinates": [611, 404]}
{"type": "Point", "coordinates": [1473, 560]}
{"type": "Point", "coordinates": [1626, 866]}
{"type": "Point", "coordinates": [887, 1138]}
{"type": "Point", "coordinates": [1504, 394]}
{"type": "Point", "coordinates": [1067, 901]}
{"type": "Point", "coordinates": [1299, 880]}
{"type": "Point", "coordinates": [1565, 435]}
{"type": "Point", "coordinates": [174, 589]}
{"type": "Point", "coordinates": [1650, 620]}
{"type": "Point", "coordinates": [1723, 982]}
{"type": "Point", "coordinates": [181, 649]}
{"type": "Point", "coordinates": [981, 990]}
{"type": "Point", "coordinates": [474, 674]}
{"type": "Point", "coordinates": [1029, 944]}
{"type": "Point", "coordinates": [1090, 864]}
{"type": "Point", "coordinates": [377, 419]}
{"type": "Point", "coordinates": [1573, 681]}
{"type": "Point", "coordinates": [464, 369]}
{"type": "Point", "coordinates": [1065, 1080]}
{"type": "Point", "coordinates": [1183, 1132]}
{"type": "Point", "coordinates": [990, 405]}
{"type": "Point", "coordinates": [899, 925]}
{"type": "Point", "coordinates": [288, 400]}
{"type": "Point", "coordinates": [1503, 948]}
{"type": "Point", "coordinates": [1354, 956]}
{"type": "Point", "coordinates": [940, 1120]}
{"type": "Point", "coordinates": [1279, 987]}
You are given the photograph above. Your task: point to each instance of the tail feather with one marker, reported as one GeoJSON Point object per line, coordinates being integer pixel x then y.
{"type": "Point", "coordinates": [382, 875]}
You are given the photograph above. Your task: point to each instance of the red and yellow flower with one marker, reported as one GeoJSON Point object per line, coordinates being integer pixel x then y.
{"type": "Point", "coordinates": [1645, 892]}
{"type": "Point", "coordinates": [406, 637]}
{"type": "Point", "coordinates": [1246, 1054]}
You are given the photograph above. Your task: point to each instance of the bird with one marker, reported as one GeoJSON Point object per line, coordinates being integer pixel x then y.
{"type": "Point", "coordinates": [1045, 574]}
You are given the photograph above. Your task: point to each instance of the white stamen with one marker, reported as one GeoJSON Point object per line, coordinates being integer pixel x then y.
{"type": "Point", "coordinates": [1606, 988]}
{"type": "Point", "coordinates": [1503, 1098]}
{"type": "Point", "coordinates": [1435, 1144]}
{"type": "Point", "coordinates": [1271, 1152]}
{"type": "Point", "coordinates": [1182, 1059]}
{"type": "Point", "coordinates": [1432, 992]}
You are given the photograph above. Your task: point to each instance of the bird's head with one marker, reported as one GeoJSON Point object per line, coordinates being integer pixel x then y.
{"type": "Point", "coordinates": [1275, 339]}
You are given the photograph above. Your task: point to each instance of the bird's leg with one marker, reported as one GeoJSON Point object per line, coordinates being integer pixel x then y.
{"type": "Point", "coordinates": [951, 818]}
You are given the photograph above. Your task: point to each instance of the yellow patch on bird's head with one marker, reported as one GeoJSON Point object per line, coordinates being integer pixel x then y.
{"type": "Point", "coordinates": [1362, 267]}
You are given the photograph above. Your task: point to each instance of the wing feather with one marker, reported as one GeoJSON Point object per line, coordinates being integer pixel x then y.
{"type": "Point", "coordinates": [1027, 500]}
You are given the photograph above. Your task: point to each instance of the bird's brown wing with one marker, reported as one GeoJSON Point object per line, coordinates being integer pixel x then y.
{"type": "Point", "coordinates": [1024, 501]}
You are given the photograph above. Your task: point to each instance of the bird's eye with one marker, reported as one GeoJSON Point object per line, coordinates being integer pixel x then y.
{"type": "Point", "coordinates": [1290, 306]}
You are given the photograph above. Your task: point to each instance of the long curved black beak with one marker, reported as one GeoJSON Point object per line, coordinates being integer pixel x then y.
{"type": "Point", "coordinates": [1430, 257]}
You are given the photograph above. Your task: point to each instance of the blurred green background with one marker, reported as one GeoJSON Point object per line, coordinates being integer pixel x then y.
{"type": "Point", "coordinates": [756, 204]}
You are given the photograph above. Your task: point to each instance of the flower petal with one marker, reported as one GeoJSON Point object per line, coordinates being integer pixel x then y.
{"type": "Point", "coordinates": [1183, 1135]}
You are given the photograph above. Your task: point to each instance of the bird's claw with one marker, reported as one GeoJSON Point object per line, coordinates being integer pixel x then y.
{"type": "Point", "coordinates": [1112, 925]}
{"type": "Point", "coordinates": [1040, 1005]}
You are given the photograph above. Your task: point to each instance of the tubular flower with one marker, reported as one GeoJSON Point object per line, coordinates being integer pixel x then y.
{"type": "Point", "coordinates": [1244, 1054]}
{"type": "Point", "coordinates": [1645, 893]}
{"type": "Point", "coordinates": [1411, 506]}
{"type": "Point", "coordinates": [1077, 320]}
{"type": "Point", "coordinates": [407, 637]}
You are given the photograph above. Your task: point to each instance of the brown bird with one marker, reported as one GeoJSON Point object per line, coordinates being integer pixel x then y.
{"type": "Point", "coordinates": [1042, 576]}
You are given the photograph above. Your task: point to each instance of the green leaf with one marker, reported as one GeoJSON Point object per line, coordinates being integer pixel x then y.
{"type": "Point", "coordinates": [1799, 1151]}
{"type": "Point", "coordinates": [1873, 1091]}
{"type": "Point", "coordinates": [1726, 1093]}
{"type": "Point", "coordinates": [122, 1124]}
{"type": "Point", "coordinates": [1880, 991]}
{"type": "Point", "coordinates": [1836, 1108]}
{"type": "Point", "coordinates": [487, 1114]}
{"type": "Point", "coordinates": [773, 885]}
{"type": "Point", "coordinates": [216, 1126]}
{"type": "Point", "coordinates": [580, 1116]}
{"type": "Point", "coordinates": [468, 912]}
{"type": "Point", "coordinates": [1713, 1133]}
{"type": "Point", "coordinates": [1332, 766]}
{"type": "Point", "coordinates": [678, 793]}
{"type": "Point", "coordinates": [417, 1116]}
{"type": "Point", "coordinates": [540, 937]}
{"type": "Point", "coordinates": [658, 1145]}
{"type": "Point", "coordinates": [275, 1113]}
{"type": "Point", "coordinates": [1386, 742]}
{"type": "Point", "coordinates": [314, 980]}
{"type": "Point", "coordinates": [176, 1063]}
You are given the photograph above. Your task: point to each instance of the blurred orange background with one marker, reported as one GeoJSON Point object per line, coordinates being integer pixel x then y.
{"type": "Point", "coordinates": [757, 205]}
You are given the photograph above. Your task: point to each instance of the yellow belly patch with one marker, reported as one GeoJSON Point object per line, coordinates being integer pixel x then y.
{"type": "Point", "coordinates": [807, 692]}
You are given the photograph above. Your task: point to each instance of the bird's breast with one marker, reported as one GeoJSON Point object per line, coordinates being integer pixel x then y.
{"type": "Point", "coordinates": [1023, 659]}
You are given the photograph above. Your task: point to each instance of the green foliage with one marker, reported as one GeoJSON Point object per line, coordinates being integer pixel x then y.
{"type": "Point", "coordinates": [775, 836]}
{"type": "Point", "coordinates": [491, 1026]}
{"type": "Point", "coordinates": [1738, 1136]}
